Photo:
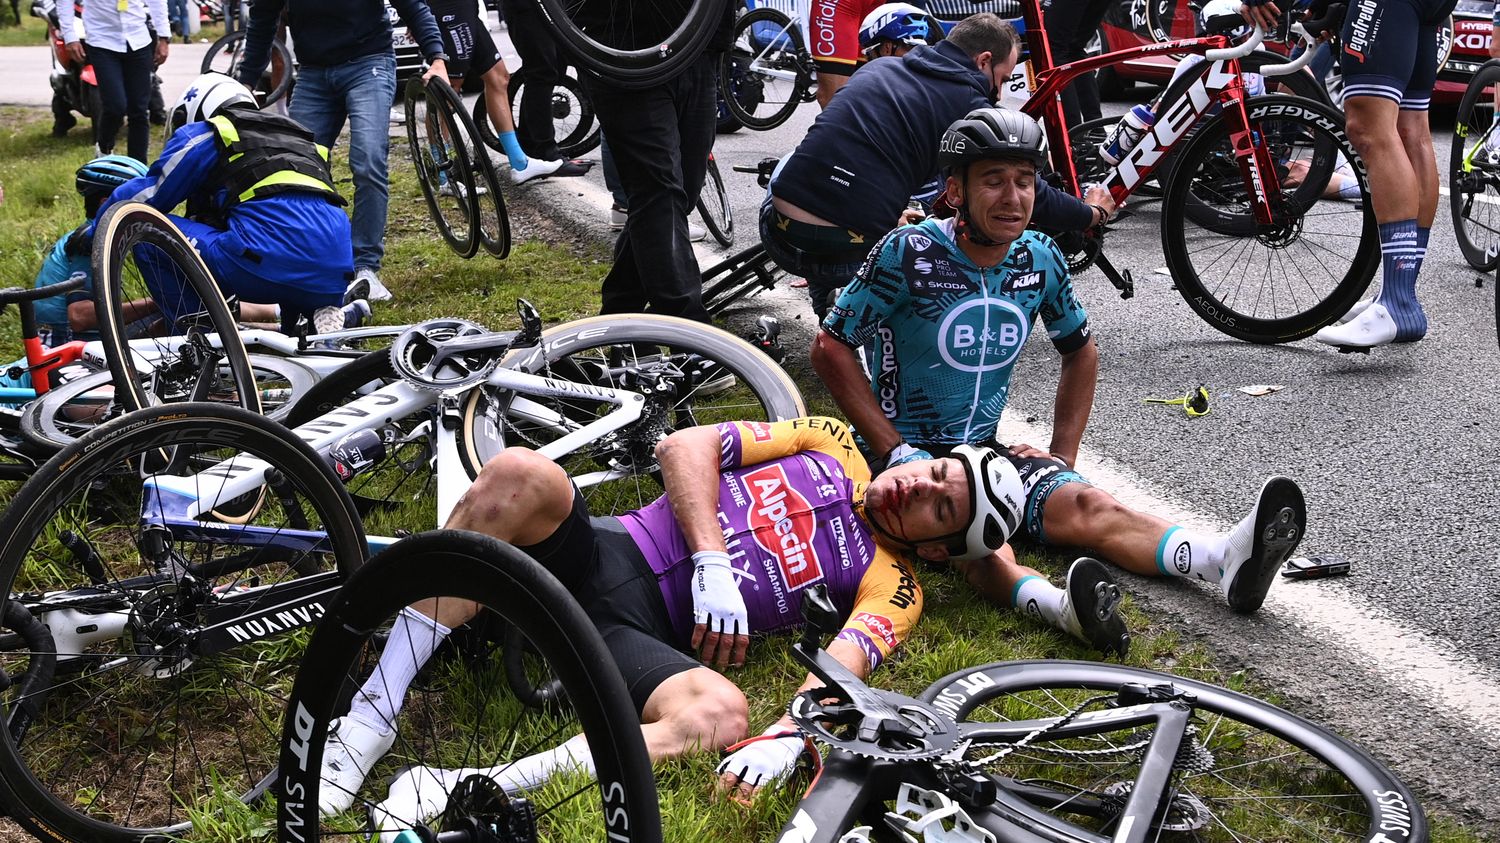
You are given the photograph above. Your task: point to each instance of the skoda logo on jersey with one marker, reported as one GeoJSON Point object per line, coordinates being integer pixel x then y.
{"type": "Point", "coordinates": [983, 335]}
{"type": "Point", "coordinates": [919, 242]}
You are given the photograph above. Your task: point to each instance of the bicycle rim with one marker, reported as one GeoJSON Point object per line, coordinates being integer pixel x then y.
{"type": "Point", "coordinates": [1474, 172]}
{"type": "Point", "coordinates": [162, 351]}
{"type": "Point", "coordinates": [1249, 772]}
{"type": "Point", "coordinates": [611, 38]}
{"type": "Point", "coordinates": [713, 206]}
{"type": "Point", "coordinates": [167, 687]}
{"type": "Point", "coordinates": [764, 76]}
{"type": "Point", "coordinates": [459, 712]}
{"type": "Point", "coordinates": [228, 53]}
{"type": "Point", "coordinates": [493, 224]}
{"type": "Point", "coordinates": [711, 375]}
{"type": "Point", "coordinates": [1281, 282]}
{"type": "Point", "coordinates": [441, 162]}
{"type": "Point", "coordinates": [574, 125]}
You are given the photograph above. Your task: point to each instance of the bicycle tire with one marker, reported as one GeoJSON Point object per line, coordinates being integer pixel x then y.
{"type": "Point", "coordinates": [743, 89]}
{"type": "Point", "coordinates": [456, 217]}
{"type": "Point", "coordinates": [493, 226]}
{"type": "Point", "coordinates": [341, 385]}
{"type": "Point", "coordinates": [67, 412]}
{"type": "Point", "coordinates": [713, 206]}
{"type": "Point", "coordinates": [1027, 690]}
{"type": "Point", "coordinates": [445, 731]}
{"type": "Point", "coordinates": [269, 89]}
{"type": "Point", "coordinates": [142, 711]}
{"type": "Point", "coordinates": [127, 233]}
{"type": "Point", "coordinates": [1166, 21]}
{"type": "Point", "coordinates": [1211, 174]}
{"type": "Point", "coordinates": [574, 125]}
{"type": "Point", "coordinates": [602, 350]}
{"type": "Point", "coordinates": [608, 46]}
{"type": "Point", "coordinates": [1473, 180]}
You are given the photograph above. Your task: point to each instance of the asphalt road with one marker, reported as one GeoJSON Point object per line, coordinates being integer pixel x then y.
{"type": "Point", "coordinates": [1396, 452]}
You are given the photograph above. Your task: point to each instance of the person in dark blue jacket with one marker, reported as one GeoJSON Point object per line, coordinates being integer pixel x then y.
{"type": "Point", "coordinates": [261, 207]}
{"type": "Point", "coordinates": [848, 181]}
{"type": "Point", "coordinates": [346, 70]}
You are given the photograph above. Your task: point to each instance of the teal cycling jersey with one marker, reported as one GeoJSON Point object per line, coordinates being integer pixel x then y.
{"type": "Point", "coordinates": [940, 334]}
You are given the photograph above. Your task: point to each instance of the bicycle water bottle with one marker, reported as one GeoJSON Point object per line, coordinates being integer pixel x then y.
{"type": "Point", "coordinates": [1128, 132]}
{"type": "Point", "coordinates": [359, 451]}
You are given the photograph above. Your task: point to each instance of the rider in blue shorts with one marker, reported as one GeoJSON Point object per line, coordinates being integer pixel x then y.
{"type": "Point", "coordinates": [942, 310]}
{"type": "Point", "coordinates": [261, 207]}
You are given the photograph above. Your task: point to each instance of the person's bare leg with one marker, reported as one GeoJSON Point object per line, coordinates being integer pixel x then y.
{"type": "Point", "coordinates": [1086, 607]}
{"type": "Point", "coordinates": [828, 85]}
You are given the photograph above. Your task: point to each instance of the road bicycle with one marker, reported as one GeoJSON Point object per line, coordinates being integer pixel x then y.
{"type": "Point", "coordinates": [1251, 242]}
{"type": "Point", "coordinates": [767, 71]}
{"type": "Point", "coordinates": [1012, 751]}
{"type": "Point", "coordinates": [1474, 170]}
{"type": "Point", "coordinates": [459, 181]}
{"type": "Point", "coordinates": [188, 540]}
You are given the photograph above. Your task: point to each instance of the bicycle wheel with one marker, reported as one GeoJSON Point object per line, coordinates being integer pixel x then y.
{"type": "Point", "coordinates": [713, 206]}
{"type": "Point", "coordinates": [1168, 20]}
{"type": "Point", "coordinates": [767, 72]}
{"type": "Point", "coordinates": [68, 412]}
{"type": "Point", "coordinates": [443, 167]}
{"type": "Point", "coordinates": [228, 53]}
{"type": "Point", "coordinates": [493, 223]}
{"type": "Point", "coordinates": [1249, 772]}
{"type": "Point", "coordinates": [173, 634]}
{"type": "Point", "coordinates": [1474, 171]}
{"type": "Point", "coordinates": [692, 373]}
{"type": "Point", "coordinates": [460, 714]}
{"type": "Point", "coordinates": [573, 122]}
{"type": "Point", "coordinates": [1281, 282]}
{"type": "Point", "coordinates": [140, 255]}
{"type": "Point", "coordinates": [746, 273]}
{"type": "Point", "coordinates": [626, 43]}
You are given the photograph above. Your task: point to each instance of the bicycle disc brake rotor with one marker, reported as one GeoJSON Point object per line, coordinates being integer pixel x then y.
{"type": "Point", "coordinates": [421, 356]}
{"type": "Point", "coordinates": [156, 630]}
{"type": "Point", "coordinates": [480, 807]}
{"type": "Point", "coordinates": [907, 730]}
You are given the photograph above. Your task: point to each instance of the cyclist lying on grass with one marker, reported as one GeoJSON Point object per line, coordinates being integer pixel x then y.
{"type": "Point", "coordinates": [754, 513]}
{"type": "Point", "coordinates": [942, 310]}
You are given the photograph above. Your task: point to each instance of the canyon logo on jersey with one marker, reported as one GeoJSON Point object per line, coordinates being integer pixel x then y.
{"type": "Point", "coordinates": [784, 523]}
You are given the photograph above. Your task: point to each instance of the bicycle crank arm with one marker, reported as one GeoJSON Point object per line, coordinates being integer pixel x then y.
{"type": "Point", "coordinates": [1124, 282]}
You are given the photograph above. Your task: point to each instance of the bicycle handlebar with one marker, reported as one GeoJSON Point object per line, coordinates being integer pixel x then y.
{"type": "Point", "coordinates": [1308, 39]}
{"type": "Point", "coordinates": [1240, 50]}
{"type": "Point", "coordinates": [12, 295]}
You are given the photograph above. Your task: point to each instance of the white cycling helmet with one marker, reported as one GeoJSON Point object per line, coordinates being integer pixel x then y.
{"type": "Point", "coordinates": [208, 95]}
{"type": "Point", "coordinates": [997, 498]}
{"type": "Point", "coordinates": [1218, 9]}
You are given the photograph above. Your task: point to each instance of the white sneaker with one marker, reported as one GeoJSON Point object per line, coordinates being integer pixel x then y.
{"type": "Point", "coordinates": [1354, 312]}
{"type": "Point", "coordinates": [377, 290]}
{"type": "Point", "coordinates": [696, 232]}
{"type": "Point", "coordinates": [1262, 542]}
{"type": "Point", "coordinates": [1091, 607]}
{"type": "Point", "coordinates": [351, 750]}
{"type": "Point", "coordinates": [535, 168]}
{"type": "Point", "coordinates": [415, 795]}
{"type": "Point", "coordinates": [1372, 327]}
{"type": "Point", "coordinates": [617, 217]}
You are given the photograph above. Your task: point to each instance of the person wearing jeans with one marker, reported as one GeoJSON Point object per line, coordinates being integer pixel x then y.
{"type": "Point", "coordinates": [347, 72]}
{"type": "Point", "coordinates": [124, 50]}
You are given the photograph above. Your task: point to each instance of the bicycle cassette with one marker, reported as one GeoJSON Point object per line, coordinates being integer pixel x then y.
{"type": "Point", "coordinates": [442, 354]}
{"type": "Point", "coordinates": [881, 725]}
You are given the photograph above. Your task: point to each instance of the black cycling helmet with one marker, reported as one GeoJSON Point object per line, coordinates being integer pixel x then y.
{"type": "Point", "coordinates": [992, 133]}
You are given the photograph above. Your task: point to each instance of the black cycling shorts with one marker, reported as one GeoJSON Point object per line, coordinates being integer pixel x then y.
{"type": "Point", "coordinates": [602, 566]}
{"type": "Point", "coordinates": [1389, 50]}
{"type": "Point", "coordinates": [466, 39]}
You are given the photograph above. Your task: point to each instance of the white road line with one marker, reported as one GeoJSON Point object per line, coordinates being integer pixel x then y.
{"type": "Point", "coordinates": [1412, 659]}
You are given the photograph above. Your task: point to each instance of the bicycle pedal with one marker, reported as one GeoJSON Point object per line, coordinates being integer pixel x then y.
{"type": "Point", "coordinates": [1353, 349]}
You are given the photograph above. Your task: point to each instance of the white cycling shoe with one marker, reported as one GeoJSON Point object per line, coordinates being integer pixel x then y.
{"type": "Point", "coordinates": [535, 168]}
{"type": "Point", "coordinates": [1358, 308]}
{"type": "Point", "coordinates": [1371, 327]}
{"type": "Point", "coordinates": [415, 795]}
{"type": "Point", "coordinates": [1263, 542]}
{"type": "Point", "coordinates": [351, 750]}
{"type": "Point", "coordinates": [1091, 607]}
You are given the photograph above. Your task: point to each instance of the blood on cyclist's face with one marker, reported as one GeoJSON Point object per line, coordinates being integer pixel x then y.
{"type": "Point", "coordinates": [998, 71]}
{"type": "Point", "coordinates": [1000, 193]}
{"type": "Point", "coordinates": [921, 501]}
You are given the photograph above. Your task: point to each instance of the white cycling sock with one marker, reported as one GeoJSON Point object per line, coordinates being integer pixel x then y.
{"type": "Point", "coordinates": [414, 637]}
{"type": "Point", "coordinates": [1035, 596]}
{"type": "Point", "coordinates": [1184, 553]}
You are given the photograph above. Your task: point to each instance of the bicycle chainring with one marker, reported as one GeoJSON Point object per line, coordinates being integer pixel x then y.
{"type": "Point", "coordinates": [419, 356]}
{"type": "Point", "coordinates": [907, 730]}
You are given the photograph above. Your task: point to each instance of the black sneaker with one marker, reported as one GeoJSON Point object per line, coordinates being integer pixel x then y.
{"type": "Point", "coordinates": [1278, 522]}
{"type": "Point", "coordinates": [1091, 607]}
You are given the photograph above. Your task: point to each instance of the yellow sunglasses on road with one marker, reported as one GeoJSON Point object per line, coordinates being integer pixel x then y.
{"type": "Point", "coordinates": [1194, 402]}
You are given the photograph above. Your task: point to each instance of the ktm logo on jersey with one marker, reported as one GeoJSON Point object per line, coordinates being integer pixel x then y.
{"type": "Point", "coordinates": [783, 523]}
{"type": "Point", "coordinates": [881, 627]}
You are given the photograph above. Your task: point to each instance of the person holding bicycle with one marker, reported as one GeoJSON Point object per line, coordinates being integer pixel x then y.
{"type": "Point", "coordinates": [849, 180]}
{"type": "Point", "coordinates": [754, 514]}
{"type": "Point", "coordinates": [942, 311]}
{"type": "Point", "coordinates": [261, 209]}
{"type": "Point", "coordinates": [1388, 57]}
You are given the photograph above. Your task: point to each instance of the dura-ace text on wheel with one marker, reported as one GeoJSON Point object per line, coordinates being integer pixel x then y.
{"type": "Point", "coordinates": [460, 718]}
{"type": "Point", "coordinates": [161, 574]}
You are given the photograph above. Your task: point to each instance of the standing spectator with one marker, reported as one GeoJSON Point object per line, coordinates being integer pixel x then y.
{"type": "Point", "coordinates": [124, 51]}
{"type": "Point", "coordinates": [1070, 24]}
{"type": "Point", "coordinates": [660, 137]}
{"type": "Point", "coordinates": [536, 44]}
{"type": "Point", "coordinates": [178, 9]}
{"type": "Point", "coordinates": [347, 71]}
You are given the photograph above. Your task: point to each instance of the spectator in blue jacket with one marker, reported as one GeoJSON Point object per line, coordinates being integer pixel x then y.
{"type": "Point", "coordinates": [346, 69]}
